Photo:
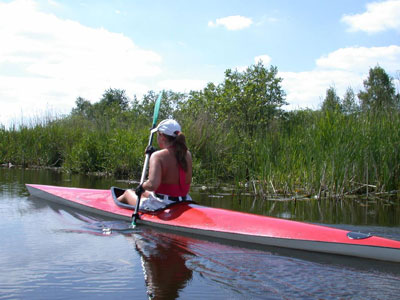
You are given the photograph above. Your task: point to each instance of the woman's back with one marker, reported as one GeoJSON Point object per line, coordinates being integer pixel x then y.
{"type": "Point", "coordinates": [170, 168]}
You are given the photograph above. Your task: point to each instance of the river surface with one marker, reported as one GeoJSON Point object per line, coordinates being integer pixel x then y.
{"type": "Point", "coordinates": [53, 252]}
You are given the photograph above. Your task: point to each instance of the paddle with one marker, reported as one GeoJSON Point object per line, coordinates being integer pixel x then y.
{"type": "Point", "coordinates": [146, 160]}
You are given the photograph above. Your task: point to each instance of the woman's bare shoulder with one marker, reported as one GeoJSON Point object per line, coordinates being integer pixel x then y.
{"type": "Point", "coordinates": [160, 154]}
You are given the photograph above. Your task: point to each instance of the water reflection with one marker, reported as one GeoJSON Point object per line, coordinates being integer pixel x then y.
{"type": "Point", "coordinates": [163, 255]}
{"type": "Point", "coordinates": [68, 248]}
{"type": "Point", "coordinates": [170, 261]}
{"type": "Point", "coordinates": [163, 261]}
{"type": "Point", "coordinates": [14, 180]}
{"type": "Point", "coordinates": [360, 211]}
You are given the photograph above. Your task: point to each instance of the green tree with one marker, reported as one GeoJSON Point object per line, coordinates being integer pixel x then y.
{"type": "Point", "coordinates": [113, 102]}
{"type": "Point", "coordinates": [145, 107]}
{"type": "Point", "coordinates": [379, 94]}
{"type": "Point", "coordinates": [332, 101]}
{"type": "Point", "coordinates": [116, 98]}
{"type": "Point", "coordinates": [248, 100]}
{"type": "Point", "coordinates": [83, 108]}
{"type": "Point", "coordinates": [349, 104]}
{"type": "Point", "coordinates": [171, 103]}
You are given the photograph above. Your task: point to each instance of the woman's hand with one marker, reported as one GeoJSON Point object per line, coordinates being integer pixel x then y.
{"type": "Point", "coordinates": [150, 150]}
{"type": "Point", "coordinates": [139, 190]}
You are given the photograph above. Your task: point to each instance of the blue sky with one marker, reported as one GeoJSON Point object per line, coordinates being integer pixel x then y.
{"type": "Point", "coordinates": [54, 51]}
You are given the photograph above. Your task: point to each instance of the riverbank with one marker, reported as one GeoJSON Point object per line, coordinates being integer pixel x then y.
{"type": "Point", "coordinates": [237, 138]}
{"type": "Point", "coordinates": [310, 153]}
{"type": "Point", "coordinates": [250, 189]}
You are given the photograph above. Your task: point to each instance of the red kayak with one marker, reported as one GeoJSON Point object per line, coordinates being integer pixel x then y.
{"type": "Point", "coordinates": [227, 224]}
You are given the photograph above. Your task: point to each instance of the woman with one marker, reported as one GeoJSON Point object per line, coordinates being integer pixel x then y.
{"type": "Point", "coordinates": [170, 171]}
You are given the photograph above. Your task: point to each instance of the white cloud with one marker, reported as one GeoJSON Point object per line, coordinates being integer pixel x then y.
{"type": "Point", "coordinates": [53, 3]}
{"type": "Point", "coordinates": [47, 61]}
{"type": "Point", "coordinates": [359, 58]}
{"type": "Point", "coordinates": [379, 16]}
{"type": "Point", "coordinates": [232, 22]}
{"type": "Point", "coordinates": [308, 89]}
{"type": "Point", "coordinates": [341, 69]}
{"type": "Point", "coordinates": [265, 59]}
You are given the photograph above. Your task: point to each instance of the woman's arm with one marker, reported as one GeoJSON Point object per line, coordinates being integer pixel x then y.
{"type": "Point", "coordinates": [155, 173]}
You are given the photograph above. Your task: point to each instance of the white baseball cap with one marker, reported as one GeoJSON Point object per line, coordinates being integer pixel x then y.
{"type": "Point", "coordinates": [169, 127]}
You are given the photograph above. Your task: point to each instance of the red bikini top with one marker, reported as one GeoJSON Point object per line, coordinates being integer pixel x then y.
{"type": "Point", "coordinates": [175, 190]}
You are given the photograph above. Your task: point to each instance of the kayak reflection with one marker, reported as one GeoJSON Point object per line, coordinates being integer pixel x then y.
{"type": "Point", "coordinates": [171, 262]}
{"type": "Point", "coordinates": [163, 261]}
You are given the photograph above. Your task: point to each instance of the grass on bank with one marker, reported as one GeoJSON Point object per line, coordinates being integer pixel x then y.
{"type": "Point", "coordinates": [311, 153]}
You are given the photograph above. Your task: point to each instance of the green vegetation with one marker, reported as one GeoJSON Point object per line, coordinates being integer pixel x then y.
{"type": "Point", "coordinates": [238, 134]}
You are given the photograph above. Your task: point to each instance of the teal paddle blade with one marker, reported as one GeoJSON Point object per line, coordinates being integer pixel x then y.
{"type": "Point", "coordinates": [156, 109]}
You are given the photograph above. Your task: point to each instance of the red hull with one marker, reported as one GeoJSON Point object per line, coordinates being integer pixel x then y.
{"type": "Point", "coordinates": [229, 224]}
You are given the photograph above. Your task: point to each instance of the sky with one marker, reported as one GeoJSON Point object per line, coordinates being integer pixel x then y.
{"type": "Point", "coordinates": [54, 51]}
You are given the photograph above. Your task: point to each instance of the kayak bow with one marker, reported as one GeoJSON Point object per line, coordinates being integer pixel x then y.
{"type": "Point", "coordinates": [219, 223]}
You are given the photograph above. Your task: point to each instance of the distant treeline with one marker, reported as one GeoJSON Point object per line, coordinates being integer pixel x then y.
{"type": "Point", "coordinates": [238, 134]}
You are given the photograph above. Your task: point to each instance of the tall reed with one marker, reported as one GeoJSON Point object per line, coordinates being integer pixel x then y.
{"type": "Point", "coordinates": [305, 152]}
{"type": "Point", "coordinates": [331, 153]}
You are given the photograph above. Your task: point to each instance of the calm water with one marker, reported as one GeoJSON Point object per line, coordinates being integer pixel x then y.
{"type": "Point", "coordinates": [52, 252]}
